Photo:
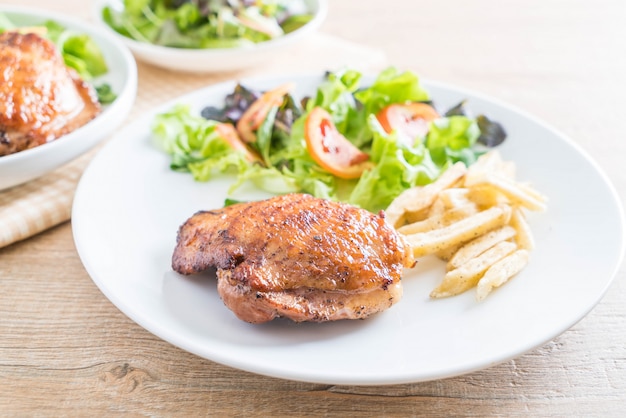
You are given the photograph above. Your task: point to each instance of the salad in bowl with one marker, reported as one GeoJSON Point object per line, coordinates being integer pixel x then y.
{"type": "Point", "coordinates": [209, 35]}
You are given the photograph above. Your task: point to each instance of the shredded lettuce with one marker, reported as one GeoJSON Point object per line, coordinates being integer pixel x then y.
{"type": "Point", "coordinates": [195, 146]}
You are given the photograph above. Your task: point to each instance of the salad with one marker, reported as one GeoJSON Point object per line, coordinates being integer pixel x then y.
{"type": "Point", "coordinates": [79, 51]}
{"type": "Point", "coordinates": [359, 144]}
{"type": "Point", "coordinates": [202, 24]}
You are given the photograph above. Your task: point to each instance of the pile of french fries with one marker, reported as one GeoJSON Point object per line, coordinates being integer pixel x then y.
{"type": "Point", "coordinates": [472, 218]}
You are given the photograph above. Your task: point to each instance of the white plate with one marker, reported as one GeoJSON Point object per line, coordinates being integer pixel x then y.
{"type": "Point", "coordinates": [29, 164]}
{"type": "Point", "coordinates": [129, 206]}
{"type": "Point", "coordinates": [212, 60]}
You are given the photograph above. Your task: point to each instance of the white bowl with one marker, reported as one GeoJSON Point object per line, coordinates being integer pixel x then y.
{"type": "Point", "coordinates": [213, 59]}
{"type": "Point", "coordinates": [29, 164]}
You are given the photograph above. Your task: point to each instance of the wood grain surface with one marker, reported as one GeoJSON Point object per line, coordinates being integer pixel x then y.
{"type": "Point", "coordinates": [65, 350]}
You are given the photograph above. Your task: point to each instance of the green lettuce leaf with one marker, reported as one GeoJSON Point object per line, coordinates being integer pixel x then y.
{"type": "Point", "coordinates": [390, 86]}
{"type": "Point", "coordinates": [5, 23]}
{"type": "Point", "coordinates": [451, 139]}
{"type": "Point", "coordinates": [398, 167]}
{"type": "Point", "coordinates": [190, 139]}
{"type": "Point", "coordinates": [335, 95]}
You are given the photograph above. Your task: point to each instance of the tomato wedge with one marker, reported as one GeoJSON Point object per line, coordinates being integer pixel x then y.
{"type": "Point", "coordinates": [228, 132]}
{"type": "Point", "coordinates": [330, 149]}
{"type": "Point", "coordinates": [254, 116]}
{"type": "Point", "coordinates": [410, 120]}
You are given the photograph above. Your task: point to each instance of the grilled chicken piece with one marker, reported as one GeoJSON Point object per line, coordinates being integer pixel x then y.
{"type": "Point", "coordinates": [40, 98]}
{"type": "Point", "coordinates": [296, 256]}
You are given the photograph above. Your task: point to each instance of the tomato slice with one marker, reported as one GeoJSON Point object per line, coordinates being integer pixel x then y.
{"type": "Point", "coordinates": [330, 149]}
{"type": "Point", "coordinates": [228, 132]}
{"type": "Point", "coordinates": [254, 116]}
{"type": "Point", "coordinates": [410, 120]}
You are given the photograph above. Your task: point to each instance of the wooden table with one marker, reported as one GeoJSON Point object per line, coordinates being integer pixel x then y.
{"type": "Point", "coordinates": [65, 350]}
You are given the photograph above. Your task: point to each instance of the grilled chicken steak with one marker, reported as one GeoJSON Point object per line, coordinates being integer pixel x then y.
{"type": "Point", "coordinates": [296, 256]}
{"type": "Point", "coordinates": [40, 98]}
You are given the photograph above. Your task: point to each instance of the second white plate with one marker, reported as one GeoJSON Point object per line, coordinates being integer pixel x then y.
{"type": "Point", "coordinates": [129, 205]}
{"type": "Point", "coordinates": [32, 163]}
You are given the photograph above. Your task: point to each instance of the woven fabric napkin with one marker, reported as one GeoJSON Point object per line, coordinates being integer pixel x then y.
{"type": "Point", "coordinates": [36, 206]}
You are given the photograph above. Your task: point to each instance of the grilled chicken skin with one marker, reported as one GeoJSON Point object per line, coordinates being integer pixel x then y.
{"type": "Point", "coordinates": [40, 98]}
{"type": "Point", "coordinates": [296, 256]}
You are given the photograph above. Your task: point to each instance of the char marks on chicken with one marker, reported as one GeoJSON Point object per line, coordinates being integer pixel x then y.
{"type": "Point", "coordinates": [296, 256]}
{"type": "Point", "coordinates": [41, 98]}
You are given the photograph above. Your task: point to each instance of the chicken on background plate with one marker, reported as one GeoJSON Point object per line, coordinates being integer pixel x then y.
{"type": "Point", "coordinates": [41, 98]}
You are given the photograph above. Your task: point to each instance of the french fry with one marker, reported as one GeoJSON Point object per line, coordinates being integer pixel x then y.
{"type": "Point", "coordinates": [486, 196]}
{"type": "Point", "coordinates": [516, 193]}
{"type": "Point", "coordinates": [436, 209]}
{"type": "Point", "coordinates": [492, 162]}
{"type": "Point", "coordinates": [425, 243]}
{"type": "Point", "coordinates": [454, 197]}
{"type": "Point", "coordinates": [501, 272]}
{"type": "Point", "coordinates": [479, 245]}
{"type": "Point", "coordinates": [411, 217]}
{"type": "Point", "coordinates": [527, 188]}
{"type": "Point", "coordinates": [487, 162]}
{"type": "Point", "coordinates": [441, 220]}
{"type": "Point", "coordinates": [447, 253]}
{"type": "Point", "coordinates": [524, 236]}
{"type": "Point", "coordinates": [468, 275]}
{"type": "Point", "coordinates": [418, 199]}
{"type": "Point", "coordinates": [473, 219]}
